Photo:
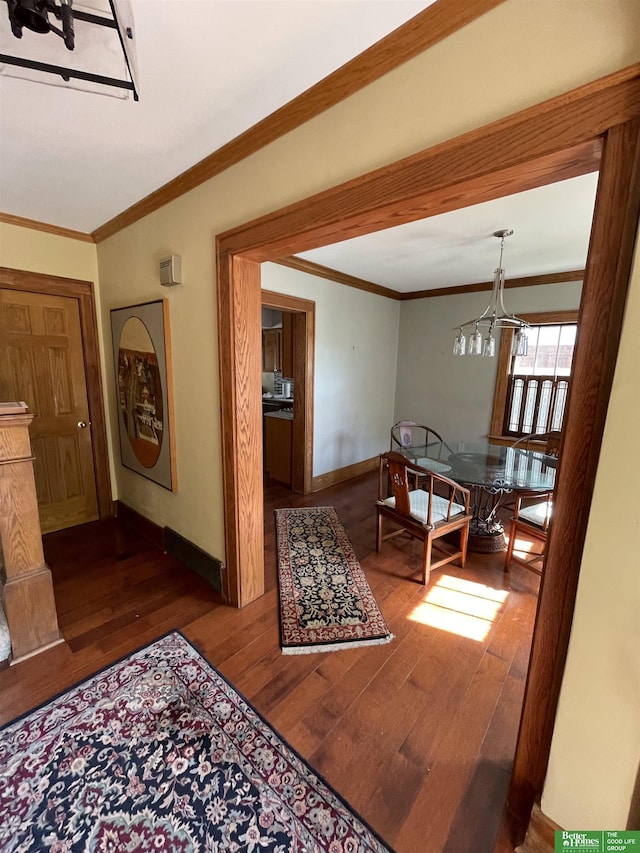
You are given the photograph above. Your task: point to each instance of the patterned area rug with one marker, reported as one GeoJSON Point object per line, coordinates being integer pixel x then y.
{"type": "Point", "coordinates": [159, 753]}
{"type": "Point", "coordinates": [325, 600]}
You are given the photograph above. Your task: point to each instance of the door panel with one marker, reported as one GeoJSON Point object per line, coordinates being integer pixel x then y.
{"type": "Point", "coordinates": [43, 365]}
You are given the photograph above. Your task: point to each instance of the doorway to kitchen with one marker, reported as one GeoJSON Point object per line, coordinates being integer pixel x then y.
{"type": "Point", "coordinates": [295, 429]}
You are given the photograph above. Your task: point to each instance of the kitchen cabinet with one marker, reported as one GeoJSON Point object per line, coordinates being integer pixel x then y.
{"type": "Point", "coordinates": [277, 446]}
{"type": "Point", "coordinates": [277, 347]}
{"type": "Point", "coordinates": [271, 350]}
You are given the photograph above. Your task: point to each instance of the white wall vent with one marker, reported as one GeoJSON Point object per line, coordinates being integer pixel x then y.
{"type": "Point", "coordinates": [171, 270]}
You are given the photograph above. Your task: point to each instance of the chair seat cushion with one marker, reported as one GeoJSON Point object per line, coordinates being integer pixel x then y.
{"type": "Point", "coordinates": [419, 505]}
{"type": "Point", "coordinates": [434, 465]}
{"type": "Point", "coordinates": [538, 514]}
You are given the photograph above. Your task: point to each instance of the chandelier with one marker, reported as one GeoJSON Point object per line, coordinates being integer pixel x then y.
{"type": "Point", "coordinates": [495, 316]}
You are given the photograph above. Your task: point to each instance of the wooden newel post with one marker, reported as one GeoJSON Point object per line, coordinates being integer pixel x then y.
{"type": "Point", "coordinates": [28, 591]}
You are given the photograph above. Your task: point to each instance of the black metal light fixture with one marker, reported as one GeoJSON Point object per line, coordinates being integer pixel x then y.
{"type": "Point", "coordinates": [103, 31]}
{"type": "Point", "coordinates": [34, 15]}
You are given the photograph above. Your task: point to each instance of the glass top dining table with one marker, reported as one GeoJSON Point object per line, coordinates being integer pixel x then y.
{"type": "Point", "coordinates": [490, 471]}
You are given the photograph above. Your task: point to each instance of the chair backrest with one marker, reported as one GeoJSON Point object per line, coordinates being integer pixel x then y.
{"type": "Point", "coordinates": [535, 440]}
{"type": "Point", "coordinates": [553, 443]}
{"type": "Point", "coordinates": [399, 482]}
{"type": "Point", "coordinates": [412, 434]}
{"type": "Point", "coordinates": [402, 474]}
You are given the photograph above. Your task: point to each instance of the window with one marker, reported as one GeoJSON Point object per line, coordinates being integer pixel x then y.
{"type": "Point", "coordinates": [532, 390]}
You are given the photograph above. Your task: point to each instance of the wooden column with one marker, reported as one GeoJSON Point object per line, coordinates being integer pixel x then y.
{"type": "Point", "coordinates": [28, 590]}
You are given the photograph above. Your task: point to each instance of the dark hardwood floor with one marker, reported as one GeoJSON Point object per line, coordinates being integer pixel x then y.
{"type": "Point", "coordinates": [418, 735]}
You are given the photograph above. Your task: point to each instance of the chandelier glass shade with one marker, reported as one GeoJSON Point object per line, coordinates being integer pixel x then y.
{"type": "Point", "coordinates": [469, 338]}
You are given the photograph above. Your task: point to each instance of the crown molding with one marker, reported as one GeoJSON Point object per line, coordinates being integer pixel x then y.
{"type": "Point", "coordinates": [524, 281]}
{"type": "Point", "coordinates": [312, 268]}
{"type": "Point", "coordinates": [425, 29]}
{"type": "Point", "coordinates": [35, 225]}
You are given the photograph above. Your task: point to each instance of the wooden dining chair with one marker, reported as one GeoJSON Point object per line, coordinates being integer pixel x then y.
{"type": "Point", "coordinates": [531, 519]}
{"type": "Point", "coordinates": [545, 442]}
{"type": "Point", "coordinates": [421, 512]}
{"type": "Point", "coordinates": [533, 510]}
{"type": "Point", "coordinates": [405, 435]}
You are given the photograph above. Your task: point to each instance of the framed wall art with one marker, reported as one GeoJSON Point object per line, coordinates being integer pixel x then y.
{"type": "Point", "coordinates": [142, 362]}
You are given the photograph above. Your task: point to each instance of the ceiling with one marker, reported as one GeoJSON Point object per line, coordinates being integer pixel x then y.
{"type": "Point", "coordinates": [206, 71]}
{"type": "Point", "coordinates": [551, 226]}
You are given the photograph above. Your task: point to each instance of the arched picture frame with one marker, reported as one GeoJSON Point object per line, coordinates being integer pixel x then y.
{"type": "Point", "coordinates": [142, 363]}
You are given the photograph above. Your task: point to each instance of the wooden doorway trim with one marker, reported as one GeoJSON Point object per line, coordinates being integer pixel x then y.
{"type": "Point", "coordinates": [304, 325]}
{"type": "Point", "coordinates": [558, 139]}
{"type": "Point", "coordinates": [604, 294]}
{"type": "Point", "coordinates": [82, 291]}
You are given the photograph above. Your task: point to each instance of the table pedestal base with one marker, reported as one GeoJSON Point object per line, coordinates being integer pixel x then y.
{"type": "Point", "coordinates": [486, 543]}
{"type": "Point", "coordinates": [486, 533]}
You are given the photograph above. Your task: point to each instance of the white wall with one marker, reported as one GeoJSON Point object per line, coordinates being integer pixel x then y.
{"type": "Point", "coordinates": [355, 362]}
{"type": "Point", "coordinates": [454, 395]}
{"type": "Point", "coordinates": [355, 366]}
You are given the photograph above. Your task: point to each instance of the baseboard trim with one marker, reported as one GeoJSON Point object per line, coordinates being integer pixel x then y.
{"type": "Point", "coordinates": [340, 475]}
{"type": "Point", "coordinates": [172, 543]}
{"type": "Point", "coordinates": [194, 558]}
{"type": "Point", "coordinates": [540, 833]}
{"type": "Point", "coordinates": [145, 527]}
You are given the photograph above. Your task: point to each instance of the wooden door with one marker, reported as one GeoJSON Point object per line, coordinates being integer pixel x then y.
{"type": "Point", "coordinates": [42, 363]}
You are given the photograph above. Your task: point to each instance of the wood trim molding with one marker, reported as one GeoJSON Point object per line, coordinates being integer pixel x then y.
{"type": "Point", "coordinates": [536, 147]}
{"type": "Point", "coordinates": [284, 302]}
{"type": "Point", "coordinates": [540, 836]}
{"type": "Point", "coordinates": [549, 318]}
{"type": "Point", "coordinates": [46, 227]}
{"type": "Point", "coordinates": [341, 475]}
{"type": "Point", "coordinates": [504, 363]}
{"type": "Point", "coordinates": [415, 36]}
{"type": "Point", "coordinates": [604, 292]}
{"type": "Point", "coordinates": [524, 281]}
{"type": "Point", "coordinates": [459, 172]}
{"type": "Point", "coordinates": [240, 360]}
{"type": "Point", "coordinates": [83, 292]}
{"type": "Point", "coordinates": [338, 277]}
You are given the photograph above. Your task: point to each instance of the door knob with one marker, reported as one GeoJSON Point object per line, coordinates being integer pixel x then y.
{"type": "Point", "coordinates": [83, 424]}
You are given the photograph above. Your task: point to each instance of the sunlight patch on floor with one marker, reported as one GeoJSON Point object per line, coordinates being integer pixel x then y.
{"type": "Point", "coordinates": [526, 547]}
{"type": "Point", "coordinates": [460, 607]}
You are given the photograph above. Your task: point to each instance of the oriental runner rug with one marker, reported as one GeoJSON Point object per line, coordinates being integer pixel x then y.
{"type": "Point", "coordinates": [326, 602]}
{"type": "Point", "coordinates": [158, 752]}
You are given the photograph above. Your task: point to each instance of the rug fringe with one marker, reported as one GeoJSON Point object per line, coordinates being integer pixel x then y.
{"type": "Point", "coordinates": [334, 647]}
